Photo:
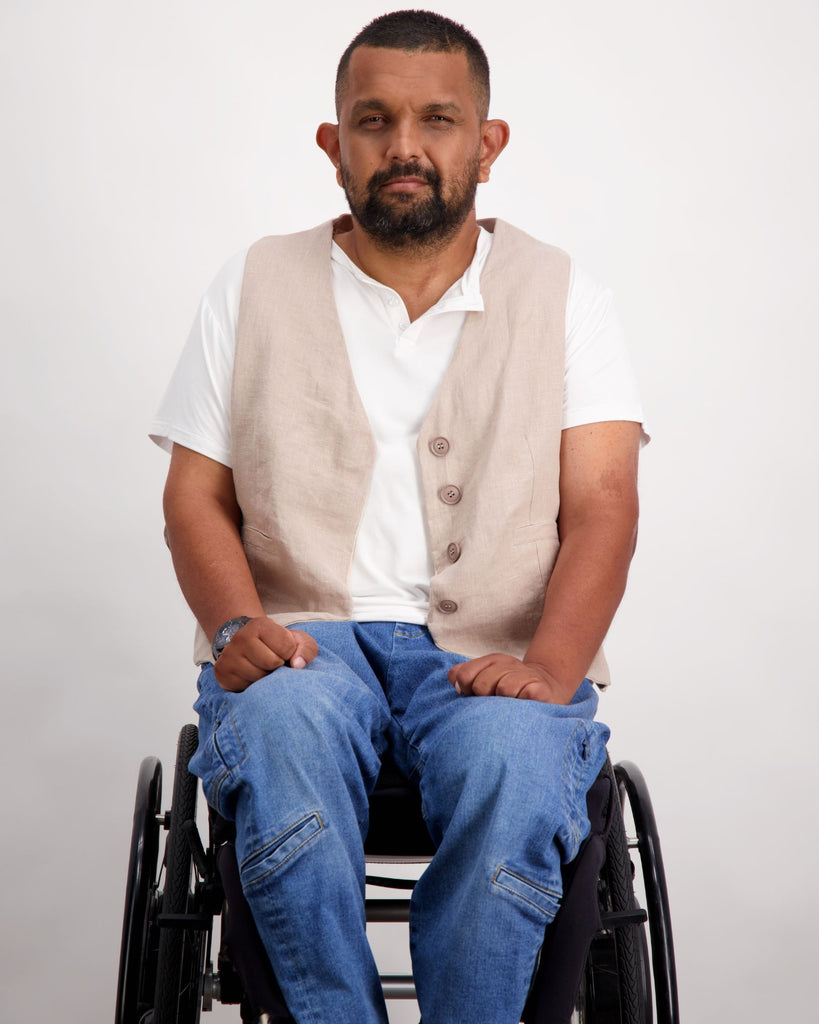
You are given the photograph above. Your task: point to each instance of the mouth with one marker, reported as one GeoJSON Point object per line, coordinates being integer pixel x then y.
{"type": "Point", "coordinates": [408, 184]}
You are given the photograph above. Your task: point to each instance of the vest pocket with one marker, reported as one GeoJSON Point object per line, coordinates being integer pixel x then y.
{"type": "Point", "coordinates": [534, 551]}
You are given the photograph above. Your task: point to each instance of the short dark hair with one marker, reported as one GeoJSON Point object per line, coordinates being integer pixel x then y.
{"type": "Point", "coordinates": [416, 31]}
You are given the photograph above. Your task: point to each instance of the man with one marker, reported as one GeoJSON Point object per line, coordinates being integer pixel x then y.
{"type": "Point", "coordinates": [401, 505]}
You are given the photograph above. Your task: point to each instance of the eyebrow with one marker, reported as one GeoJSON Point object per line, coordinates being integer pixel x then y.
{"type": "Point", "coordinates": [441, 108]}
{"type": "Point", "coordinates": [368, 106]}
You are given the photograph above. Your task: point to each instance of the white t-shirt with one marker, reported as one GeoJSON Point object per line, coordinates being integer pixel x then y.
{"type": "Point", "coordinates": [398, 367]}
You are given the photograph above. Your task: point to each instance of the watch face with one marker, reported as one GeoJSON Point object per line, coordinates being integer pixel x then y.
{"type": "Point", "coordinates": [224, 634]}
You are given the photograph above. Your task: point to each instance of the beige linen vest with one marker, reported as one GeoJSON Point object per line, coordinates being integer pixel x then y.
{"type": "Point", "coordinates": [488, 449]}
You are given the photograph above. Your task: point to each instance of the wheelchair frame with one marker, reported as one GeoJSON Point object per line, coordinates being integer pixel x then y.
{"type": "Point", "coordinates": [594, 968]}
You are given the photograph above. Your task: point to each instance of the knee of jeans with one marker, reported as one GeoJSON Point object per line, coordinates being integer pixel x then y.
{"type": "Point", "coordinates": [278, 708]}
{"type": "Point", "coordinates": [520, 762]}
{"type": "Point", "coordinates": [504, 735]}
{"type": "Point", "coordinates": [231, 727]}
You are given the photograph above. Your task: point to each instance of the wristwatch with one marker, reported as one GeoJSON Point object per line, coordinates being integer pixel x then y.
{"type": "Point", "coordinates": [226, 632]}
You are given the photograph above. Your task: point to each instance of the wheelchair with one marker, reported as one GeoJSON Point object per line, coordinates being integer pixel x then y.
{"type": "Point", "coordinates": [605, 959]}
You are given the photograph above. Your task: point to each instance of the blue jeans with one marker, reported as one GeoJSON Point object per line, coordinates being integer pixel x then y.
{"type": "Point", "coordinates": [503, 783]}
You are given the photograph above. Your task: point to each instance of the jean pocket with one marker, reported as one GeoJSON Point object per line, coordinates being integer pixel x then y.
{"type": "Point", "coordinates": [272, 856]}
{"type": "Point", "coordinates": [546, 901]}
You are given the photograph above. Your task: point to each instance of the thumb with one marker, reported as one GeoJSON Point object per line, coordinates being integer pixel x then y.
{"type": "Point", "coordinates": [305, 649]}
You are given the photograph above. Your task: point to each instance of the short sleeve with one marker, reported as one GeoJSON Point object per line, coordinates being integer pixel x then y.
{"type": "Point", "coordinates": [599, 383]}
{"type": "Point", "coordinates": [195, 409]}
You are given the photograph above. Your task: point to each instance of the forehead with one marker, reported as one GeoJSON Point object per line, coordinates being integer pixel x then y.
{"type": "Point", "coordinates": [395, 76]}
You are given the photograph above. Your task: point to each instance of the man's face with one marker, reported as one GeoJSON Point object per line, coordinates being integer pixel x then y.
{"type": "Point", "coordinates": [410, 145]}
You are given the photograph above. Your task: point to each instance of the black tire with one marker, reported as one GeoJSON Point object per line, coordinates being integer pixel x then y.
{"type": "Point", "coordinates": [630, 944]}
{"type": "Point", "coordinates": [180, 965]}
{"type": "Point", "coordinates": [137, 950]}
{"type": "Point", "coordinates": [633, 788]}
{"type": "Point", "coordinates": [617, 982]}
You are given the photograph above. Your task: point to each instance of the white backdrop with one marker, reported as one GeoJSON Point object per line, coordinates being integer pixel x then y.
{"type": "Point", "coordinates": [673, 149]}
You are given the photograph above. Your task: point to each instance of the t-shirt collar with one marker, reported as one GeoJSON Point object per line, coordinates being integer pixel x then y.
{"type": "Point", "coordinates": [464, 294]}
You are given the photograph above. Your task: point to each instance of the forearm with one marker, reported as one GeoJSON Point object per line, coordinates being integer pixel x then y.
{"type": "Point", "coordinates": [202, 526]}
{"type": "Point", "coordinates": [212, 570]}
{"type": "Point", "coordinates": [583, 594]}
{"type": "Point", "coordinates": [597, 525]}
{"type": "Point", "coordinates": [202, 530]}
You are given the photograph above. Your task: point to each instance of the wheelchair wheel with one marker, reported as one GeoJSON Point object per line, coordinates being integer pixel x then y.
{"type": "Point", "coordinates": [633, 788]}
{"type": "Point", "coordinates": [135, 987]}
{"type": "Point", "coordinates": [180, 964]}
{"type": "Point", "coordinates": [616, 987]}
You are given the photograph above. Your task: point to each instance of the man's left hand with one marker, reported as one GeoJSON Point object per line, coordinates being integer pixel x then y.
{"type": "Point", "coordinates": [501, 675]}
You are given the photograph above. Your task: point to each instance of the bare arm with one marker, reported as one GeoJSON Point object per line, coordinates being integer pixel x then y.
{"type": "Point", "coordinates": [598, 532]}
{"type": "Point", "coordinates": [202, 520]}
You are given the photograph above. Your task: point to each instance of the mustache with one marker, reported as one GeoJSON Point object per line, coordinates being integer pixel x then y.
{"type": "Point", "coordinates": [411, 169]}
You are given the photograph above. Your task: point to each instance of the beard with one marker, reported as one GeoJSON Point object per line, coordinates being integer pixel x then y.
{"type": "Point", "coordinates": [401, 221]}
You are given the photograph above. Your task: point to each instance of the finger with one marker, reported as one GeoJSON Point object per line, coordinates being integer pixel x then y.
{"type": "Point", "coordinates": [306, 649]}
{"type": "Point", "coordinates": [485, 674]}
{"type": "Point", "coordinates": [516, 682]}
{"type": "Point", "coordinates": [486, 682]}
{"type": "Point", "coordinates": [477, 684]}
{"type": "Point", "coordinates": [249, 661]}
{"type": "Point", "coordinates": [231, 678]}
{"type": "Point", "coordinates": [260, 655]}
{"type": "Point", "coordinates": [283, 642]}
{"type": "Point", "coordinates": [547, 693]}
{"type": "Point", "coordinates": [464, 673]}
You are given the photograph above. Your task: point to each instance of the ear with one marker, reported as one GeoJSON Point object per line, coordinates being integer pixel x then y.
{"type": "Point", "coordinates": [327, 139]}
{"type": "Point", "coordinates": [494, 136]}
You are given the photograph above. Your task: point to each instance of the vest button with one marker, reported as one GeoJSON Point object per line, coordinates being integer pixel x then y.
{"type": "Point", "coordinates": [450, 494]}
{"type": "Point", "coordinates": [447, 607]}
{"type": "Point", "coordinates": [439, 446]}
{"type": "Point", "coordinates": [453, 551]}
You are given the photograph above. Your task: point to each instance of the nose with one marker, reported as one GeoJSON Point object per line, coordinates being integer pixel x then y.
{"type": "Point", "coordinates": [404, 144]}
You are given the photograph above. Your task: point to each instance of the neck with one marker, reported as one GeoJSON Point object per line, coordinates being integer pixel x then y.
{"type": "Point", "coordinates": [420, 274]}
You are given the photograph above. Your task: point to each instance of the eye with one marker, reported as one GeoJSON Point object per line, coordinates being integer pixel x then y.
{"type": "Point", "coordinates": [372, 121]}
{"type": "Point", "coordinates": [439, 120]}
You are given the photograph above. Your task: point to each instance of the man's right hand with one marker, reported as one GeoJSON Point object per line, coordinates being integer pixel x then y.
{"type": "Point", "coordinates": [257, 649]}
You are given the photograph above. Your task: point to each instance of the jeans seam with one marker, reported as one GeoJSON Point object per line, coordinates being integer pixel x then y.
{"type": "Point", "coordinates": [575, 770]}
{"type": "Point", "coordinates": [215, 791]}
{"type": "Point", "coordinates": [221, 720]}
{"type": "Point", "coordinates": [400, 721]}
